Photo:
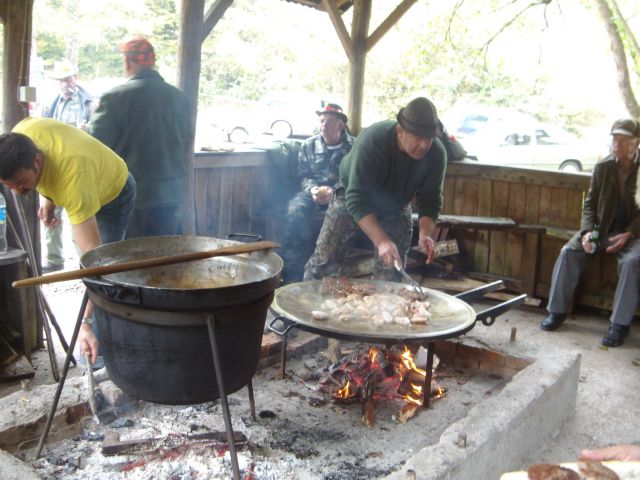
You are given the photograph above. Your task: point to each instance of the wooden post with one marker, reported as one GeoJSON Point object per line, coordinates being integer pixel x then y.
{"type": "Point", "coordinates": [195, 26]}
{"type": "Point", "coordinates": [16, 17]}
{"type": "Point", "coordinates": [359, 30]}
{"type": "Point", "coordinates": [189, 51]}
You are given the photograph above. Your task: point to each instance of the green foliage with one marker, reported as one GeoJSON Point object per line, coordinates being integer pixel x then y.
{"type": "Point", "coordinates": [448, 54]}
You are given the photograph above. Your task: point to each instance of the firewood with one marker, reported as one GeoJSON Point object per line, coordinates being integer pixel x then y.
{"type": "Point", "coordinates": [368, 407]}
{"type": "Point", "coordinates": [408, 411]}
{"type": "Point", "coordinates": [116, 447]}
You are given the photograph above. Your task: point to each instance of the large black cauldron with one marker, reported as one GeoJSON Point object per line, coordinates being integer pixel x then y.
{"type": "Point", "coordinates": [152, 323]}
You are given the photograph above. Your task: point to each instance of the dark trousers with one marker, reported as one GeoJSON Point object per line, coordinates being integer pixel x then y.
{"type": "Point", "coordinates": [304, 220]}
{"type": "Point", "coordinates": [153, 222]}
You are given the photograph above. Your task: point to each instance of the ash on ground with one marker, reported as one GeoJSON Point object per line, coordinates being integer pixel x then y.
{"type": "Point", "coordinates": [299, 432]}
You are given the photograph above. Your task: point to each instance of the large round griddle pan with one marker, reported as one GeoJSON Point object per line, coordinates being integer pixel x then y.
{"type": "Point", "coordinates": [450, 316]}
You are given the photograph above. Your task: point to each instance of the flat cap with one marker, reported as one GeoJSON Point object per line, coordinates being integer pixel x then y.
{"type": "Point", "coordinates": [626, 126]}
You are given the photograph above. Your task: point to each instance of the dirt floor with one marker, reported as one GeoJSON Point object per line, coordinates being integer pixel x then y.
{"type": "Point", "coordinates": [607, 403]}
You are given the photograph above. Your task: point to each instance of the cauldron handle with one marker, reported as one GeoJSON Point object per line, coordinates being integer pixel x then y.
{"type": "Point", "coordinates": [130, 293]}
{"type": "Point", "coordinates": [255, 237]}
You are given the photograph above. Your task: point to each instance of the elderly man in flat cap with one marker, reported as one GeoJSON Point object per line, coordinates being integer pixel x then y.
{"type": "Point", "coordinates": [318, 163]}
{"type": "Point", "coordinates": [610, 206]}
{"type": "Point", "coordinates": [148, 123]}
{"type": "Point", "coordinates": [390, 162]}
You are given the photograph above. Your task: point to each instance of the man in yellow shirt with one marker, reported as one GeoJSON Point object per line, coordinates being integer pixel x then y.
{"type": "Point", "coordinates": [71, 169]}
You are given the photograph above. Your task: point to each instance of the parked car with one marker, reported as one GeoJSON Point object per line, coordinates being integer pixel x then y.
{"type": "Point", "coordinates": [533, 145]}
{"type": "Point", "coordinates": [505, 136]}
{"type": "Point", "coordinates": [280, 115]}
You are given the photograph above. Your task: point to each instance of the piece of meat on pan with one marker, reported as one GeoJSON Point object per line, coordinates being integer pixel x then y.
{"type": "Point", "coordinates": [596, 471]}
{"type": "Point", "coordinates": [548, 471]}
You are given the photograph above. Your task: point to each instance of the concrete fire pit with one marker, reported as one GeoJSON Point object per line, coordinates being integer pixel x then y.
{"type": "Point", "coordinates": [515, 404]}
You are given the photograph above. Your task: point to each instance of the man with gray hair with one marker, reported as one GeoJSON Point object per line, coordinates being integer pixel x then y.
{"type": "Point", "coordinates": [389, 164]}
{"type": "Point", "coordinates": [610, 222]}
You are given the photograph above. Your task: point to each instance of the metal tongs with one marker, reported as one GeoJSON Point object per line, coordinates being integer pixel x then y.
{"type": "Point", "coordinates": [416, 286]}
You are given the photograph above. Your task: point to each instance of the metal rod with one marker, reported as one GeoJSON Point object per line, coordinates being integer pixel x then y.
{"type": "Point", "coordinates": [45, 312]}
{"type": "Point", "coordinates": [65, 370]}
{"type": "Point", "coordinates": [252, 402]}
{"type": "Point", "coordinates": [211, 323]}
{"type": "Point", "coordinates": [283, 355]}
{"type": "Point", "coordinates": [50, 348]}
{"type": "Point", "coordinates": [56, 325]}
{"type": "Point", "coordinates": [428, 376]}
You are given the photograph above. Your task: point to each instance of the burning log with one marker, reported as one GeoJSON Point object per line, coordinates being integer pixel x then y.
{"type": "Point", "coordinates": [368, 408]}
{"type": "Point", "coordinates": [408, 411]}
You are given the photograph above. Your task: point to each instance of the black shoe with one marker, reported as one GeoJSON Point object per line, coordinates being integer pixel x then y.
{"type": "Point", "coordinates": [52, 267]}
{"type": "Point", "coordinates": [553, 321]}
{"type": "Point", "coordinates": [616, 335]}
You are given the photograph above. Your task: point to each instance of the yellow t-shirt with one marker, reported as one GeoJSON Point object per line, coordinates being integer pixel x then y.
{"type": "Point", "coordinates": [80, 173]}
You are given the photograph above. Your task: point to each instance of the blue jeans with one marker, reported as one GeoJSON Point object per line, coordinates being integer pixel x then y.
{"type": "Point", "coordinates": [113, 217]}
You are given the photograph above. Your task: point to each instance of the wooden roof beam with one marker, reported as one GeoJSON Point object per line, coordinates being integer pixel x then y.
{"type": "Point", "coordinates": [389, 22]}
{"type": "Point", "coordinates": [213, 16]}
{"type": "Point", "coordinates": [338, 24]}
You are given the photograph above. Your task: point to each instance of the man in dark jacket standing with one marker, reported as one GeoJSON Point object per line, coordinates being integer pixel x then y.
{"type": "Point", "coordinates": [148, 123]}
{"type": "Point", "coordinates": [609, 205]}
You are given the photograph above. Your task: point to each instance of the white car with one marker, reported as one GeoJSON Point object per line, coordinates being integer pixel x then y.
{"type": "Point", "coordinates": [532, 145]}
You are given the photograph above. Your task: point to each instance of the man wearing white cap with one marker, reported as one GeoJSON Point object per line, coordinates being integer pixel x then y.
{"type": "Point", "coordinates": [73, 105]}
{"type": "Point", "coordinates": [611, 210]}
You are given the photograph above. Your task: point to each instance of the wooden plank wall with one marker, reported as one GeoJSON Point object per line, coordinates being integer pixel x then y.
{"type": "Point", "coordinates": [242, 192]}
{"type": "Point", "coordinates": [549, 199]}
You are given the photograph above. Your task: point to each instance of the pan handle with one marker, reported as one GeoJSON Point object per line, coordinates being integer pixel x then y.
{"type": "Point", "coordinates": [488, 316]}
{"type": "Point", "coordinates": [480, 291]}
{"type": "Point", "coordinates": [286, 324]}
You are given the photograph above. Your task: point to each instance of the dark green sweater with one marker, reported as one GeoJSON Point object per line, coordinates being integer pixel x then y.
{"type": "Point", "coordinates": [380, 179]}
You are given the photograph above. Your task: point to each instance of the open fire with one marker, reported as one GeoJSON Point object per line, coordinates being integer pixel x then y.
{"type": "Point", "coordinates": [387, 374]}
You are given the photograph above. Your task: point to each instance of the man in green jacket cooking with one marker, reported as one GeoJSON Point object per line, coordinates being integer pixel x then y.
{"type": "Point", "coordinates": [389, 164]}
{"type": "Point", "coordinates": [148, 123]}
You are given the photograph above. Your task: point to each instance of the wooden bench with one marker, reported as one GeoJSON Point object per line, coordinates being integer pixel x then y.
{"type": "Point", "coordinates": [526, 283]}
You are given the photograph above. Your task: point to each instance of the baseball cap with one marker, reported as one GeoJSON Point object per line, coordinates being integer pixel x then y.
{"type": "Point", "coordinates": [626, 126]}
{"type": "Point", "coordinates": [420, 117]}
{"type": "Point", "coordinates": [333, 109]}
{"type": "Point", "coordinates": [139, 50]}
{"type": "Point", "coordinates": [63, 69]}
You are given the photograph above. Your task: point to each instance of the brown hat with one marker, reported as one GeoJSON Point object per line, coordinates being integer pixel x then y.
{"type": "Point", "coordinates": [626, 126]}
{"type": "Point", "coordinates": [139, 50]}
{"type": "Point", "coordinates": [420, 118]}
{"type": "Point", "coordinates": [333, 109]}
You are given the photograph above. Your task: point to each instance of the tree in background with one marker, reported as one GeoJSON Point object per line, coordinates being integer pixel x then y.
{"type": "Point", "coordinates": [623, 45]}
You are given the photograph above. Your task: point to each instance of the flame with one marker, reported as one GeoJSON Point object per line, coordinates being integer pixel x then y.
{"type": "Point", "coordinates": [407, 362]}
{"type": "Point", "coordinates": [414, 395]}
{"type": "Point", "coordinates": [373, 354]}
{"type": "Point", "coordinates": [344, 391]}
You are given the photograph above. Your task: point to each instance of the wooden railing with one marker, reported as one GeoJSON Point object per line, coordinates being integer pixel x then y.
{"type": "Point", "coordinates": [242, 192]}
